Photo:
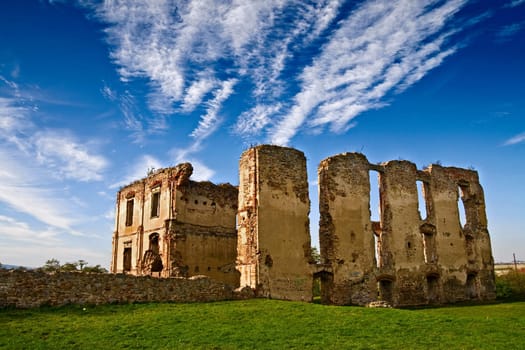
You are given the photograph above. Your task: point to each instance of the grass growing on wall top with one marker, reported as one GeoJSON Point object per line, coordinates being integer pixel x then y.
{"type": "Point", "coordinates": [262, 324]}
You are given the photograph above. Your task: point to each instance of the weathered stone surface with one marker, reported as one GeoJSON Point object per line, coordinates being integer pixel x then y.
{"type": "Point", "coordinates": [27, 289]}
{"type": "Point", "coordinates": [430, 260]}
{"type": "Point", "coordinates": [188, 225]}
{"type": "Point", "coordinates": [406, 258]}
{"type": "Point", "coordinates": [274, 240]}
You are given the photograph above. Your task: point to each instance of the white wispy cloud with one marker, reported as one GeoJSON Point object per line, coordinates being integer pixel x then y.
{"type": "Point", "coordinates": [346, 62]}
{"type": "Point", "coordinates": [509, 31]}
{"type": "Point", "coordinates": [251, 122]}
{"type": "Point", "coordinates": [209, 121]}
{"type": "Point", "coordinates": [32, 159]}
{"type": "Point", "coordinates": [380, 46]}
{"type": "Point", "coordinates": [64, 155]}
{"type": "Point", "coordinates": [25, 191]}
{"type": "Point", "coordinates": [515, 3]}
{"type": "Point", "coordinates": [21, 231]}
{"type": "Point", "coordinates": [520, 138]}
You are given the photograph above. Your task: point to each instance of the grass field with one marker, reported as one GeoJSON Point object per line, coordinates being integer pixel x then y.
{"type": "Point", "coordinates": [263, 324]}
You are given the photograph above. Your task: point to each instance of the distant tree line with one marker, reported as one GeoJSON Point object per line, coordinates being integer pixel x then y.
{"type": "Point", "coordinates": [53, 265]}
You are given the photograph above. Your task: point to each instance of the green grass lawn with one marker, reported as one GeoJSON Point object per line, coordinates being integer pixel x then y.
{"type": "Point", "coordinates": [263, 324]}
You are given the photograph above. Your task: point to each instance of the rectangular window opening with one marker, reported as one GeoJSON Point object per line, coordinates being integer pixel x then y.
{"type": "Point", "coordinates": [375, 202]}
{"type": "Point", "coordinates": [129, 212]}
{"type": "Point", "coordinates": [155, 204]}
{"type": "Point", "coordinates": [422, 200]}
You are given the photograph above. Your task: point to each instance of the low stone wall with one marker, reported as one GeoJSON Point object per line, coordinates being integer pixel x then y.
{"type": "Point", "coordinates": [27, 289]}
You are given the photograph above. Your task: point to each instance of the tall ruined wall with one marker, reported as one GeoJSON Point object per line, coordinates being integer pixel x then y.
{"type": "Point", "coordinates": [176, 227]}
{"type": "Point", "coordinates": [274, 240]}
{"type": "Point", "coordinates": [464, 252]}
{"type": "Point", "coordinates": [346, 236]}
{"type": "Point", "coordinates": [420, 260]}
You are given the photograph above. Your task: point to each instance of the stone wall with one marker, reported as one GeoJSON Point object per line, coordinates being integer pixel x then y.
{"type": "Point", "coordinates": [274, 239]}
{"type": "Point", "coordinates": [416, 259]}
{"type": "Point", "coordinates": [26, 289]}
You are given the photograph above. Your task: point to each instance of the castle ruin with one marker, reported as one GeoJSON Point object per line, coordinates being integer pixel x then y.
{"type": "Point", "coordinates": [257, 235]}
{"type": "Point", "coordinates": [169, 226]}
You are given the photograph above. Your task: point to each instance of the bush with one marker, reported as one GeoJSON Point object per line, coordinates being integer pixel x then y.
{"type": "Point", "coordinates": [511, 286]}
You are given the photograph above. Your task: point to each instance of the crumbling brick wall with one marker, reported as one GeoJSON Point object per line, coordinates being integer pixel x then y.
{"type": "Point", "coordinates": [274, 240]}
{"type": "Point", "coordinates": [418, 260]}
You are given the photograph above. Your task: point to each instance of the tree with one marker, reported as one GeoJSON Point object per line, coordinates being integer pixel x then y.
{"type": "Point", "coordinates": [315, 256]}
{"type": "Point", "coordinates": [81, 263]}
{"type": "Point", "coordinates": [95, 269]}
{"type": "Point", "coordinates": [68, 267]}
{"type": "Point", "coordinates": [52, 265]}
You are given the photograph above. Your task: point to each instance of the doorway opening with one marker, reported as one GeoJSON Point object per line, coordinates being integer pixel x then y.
{"type": "Point", "coordinates": [433, 289]}
{"type": "Point", "coordinates": [385, 290]}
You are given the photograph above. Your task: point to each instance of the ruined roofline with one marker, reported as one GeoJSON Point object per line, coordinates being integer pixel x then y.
{"type": "Point", "coordinates": [181, 173]}
{"type": "Point", "coordinates": [268, 146]}
{"type": "Point", "coordinates": [423, 173]}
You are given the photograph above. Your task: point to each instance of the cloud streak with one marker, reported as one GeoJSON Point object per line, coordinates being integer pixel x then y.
{"type": "Point", "coordinates": [306, 64]}
{"type": "Point", "coordinates": [520, 138]}
{"type": "Point", "coordinates": [380, 47]}
{"type": "Point", "coordinates": [33, 160]}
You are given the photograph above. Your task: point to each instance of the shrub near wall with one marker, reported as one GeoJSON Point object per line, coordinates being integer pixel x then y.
{"type": "Point", "coordinates": [26, 289]}
{"type": "Point", "coordinates": [511, 286]}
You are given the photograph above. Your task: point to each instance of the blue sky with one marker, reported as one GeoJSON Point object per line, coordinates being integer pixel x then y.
{"type": "Point", "coordinates": [94, 93]}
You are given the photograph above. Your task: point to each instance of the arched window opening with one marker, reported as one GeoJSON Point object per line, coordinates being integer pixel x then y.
{"type": "Point", "coordinates": [154, 242]}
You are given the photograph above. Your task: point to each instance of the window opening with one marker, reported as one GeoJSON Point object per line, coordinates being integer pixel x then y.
{"type": "Point", "coordinates": [377, 249]}
{"type": "Point", "coordinates": [375, 213]}
{"type": "Point", "coordinates": [421, 200]}
{"type": "Point", "coordinates": [127, 259]}
{"type": "Point", "coordinates": [429, 248]}
{"type": "Point", "coordinates": [129, 212]}
{"type": "Point", "coordinates": [461, 207]}
{"type": "Point", "coordinates": [375, 203]}
{"type": "Point", "coordinates": [154, 242]}
{"type": "Point", "coordinates": [155, 203]}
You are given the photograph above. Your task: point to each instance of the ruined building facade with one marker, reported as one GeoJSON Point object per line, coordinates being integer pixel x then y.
{"type": "Point", "coordinates": [258, 235]}
{"type": "Point", "coordinates": [403, 258]}
{"type": "Point", "coordinates": [168, 225]}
